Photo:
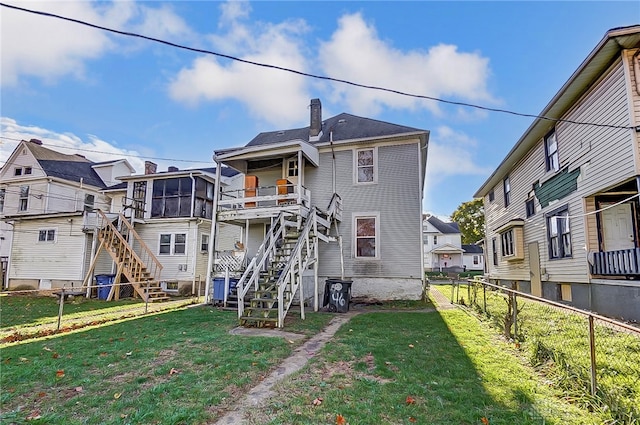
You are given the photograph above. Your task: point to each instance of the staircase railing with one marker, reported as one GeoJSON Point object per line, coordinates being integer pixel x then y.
{"type": "Point", "coordinates": [113, 237]}
{"type": "Point", "coordinates": [251, 276]}
{"type": "Point", "coordinates": [154, 267]}
{"type": "Point", "coordinates": [290, 279]}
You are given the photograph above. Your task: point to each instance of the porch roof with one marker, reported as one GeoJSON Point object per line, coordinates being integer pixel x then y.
{"type": "Point", "coordinates": [447, 249]}
{"type": "Point", "coordinates": [238, 158]}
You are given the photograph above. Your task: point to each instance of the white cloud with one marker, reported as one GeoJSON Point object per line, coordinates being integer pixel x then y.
{"type": "Point", "coordinates": [271, 95]}
{"type": "Point", "coordinates": [93, 148]}
{"type": "Point", "coordinates": [49, 48]}
{"type": "Point", "coordinates": [450, 153]}
{"type": "Point", "coordinates": [356, 53]}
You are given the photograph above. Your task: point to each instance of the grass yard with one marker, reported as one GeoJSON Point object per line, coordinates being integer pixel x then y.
{"type": "Point", "coordinates": [180, 367]}
{"type": "Point", "coordinates": [30, 310]}
{"type": "Point", "coordinates": [556, 342]}
{"type": "Point", "coordinates": [424, 368]}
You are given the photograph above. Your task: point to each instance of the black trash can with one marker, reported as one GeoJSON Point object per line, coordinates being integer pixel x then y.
{"type": "Point", "coordinates": [337, 295]}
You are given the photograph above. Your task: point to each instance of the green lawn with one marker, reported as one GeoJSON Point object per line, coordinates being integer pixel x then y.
{"type": "Point", "coordinates": [183, 367]}
{"type": "Point", "coordinates": [22, 310]}
{"type": "Point", "coordinates": [426, 368]}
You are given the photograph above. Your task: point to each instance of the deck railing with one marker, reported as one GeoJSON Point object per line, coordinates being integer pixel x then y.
{"type": "Point", "coordinates": [623, 262]}
{"type": "Point", "coordinates": [264, 196]}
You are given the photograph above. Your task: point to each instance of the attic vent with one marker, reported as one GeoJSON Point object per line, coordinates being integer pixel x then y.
{"type": "Point", "coordinates": [36, 141]}
{"type": "Point", "coordinates": [342, 121]}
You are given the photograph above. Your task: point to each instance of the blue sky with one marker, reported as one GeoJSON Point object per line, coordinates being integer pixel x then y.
{"type": "Point", "coordinates": [108, 96]}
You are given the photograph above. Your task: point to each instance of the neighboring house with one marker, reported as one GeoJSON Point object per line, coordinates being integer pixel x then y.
{"type": "Point", "coordinates": [171, 212]}
{"type": "Point", "coordinates": [355, 184]}
{"type": "Point", "coordinates": [46, 196]}
{"type": "Point", "coordinates": [73, 219]}
{"type": "Point", "coordinates": [443, 249]}
{"type": "Point", "coordinates": [562, 210]}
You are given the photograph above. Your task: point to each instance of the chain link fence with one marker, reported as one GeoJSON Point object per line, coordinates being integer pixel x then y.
{"type": "Point", "coordinates": [592, 359]}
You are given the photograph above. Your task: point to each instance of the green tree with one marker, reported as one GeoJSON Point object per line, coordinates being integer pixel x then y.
{"type": "Point", "coordinates": [470, 218]}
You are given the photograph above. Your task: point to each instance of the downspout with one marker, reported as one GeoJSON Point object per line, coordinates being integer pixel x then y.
{"type": "Point", "coordinates": [420, 215]}
{"type": "Point", "coordinates": [46, 201]}
{"type": "Point", "coordinates": [194, 260]}
{"type": "Point", "coordinates": [213, 234]}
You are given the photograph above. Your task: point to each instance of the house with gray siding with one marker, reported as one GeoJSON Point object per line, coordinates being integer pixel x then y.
{"type": "Point", "coordinates": [562, 209]}
{"type": "Point", "coordinates": [338, 199]}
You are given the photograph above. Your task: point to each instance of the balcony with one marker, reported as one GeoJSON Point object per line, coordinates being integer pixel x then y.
{"type": "Point", "coordinates": [263, 202]}
{"type": "Point", "coordinates": [624, 262]}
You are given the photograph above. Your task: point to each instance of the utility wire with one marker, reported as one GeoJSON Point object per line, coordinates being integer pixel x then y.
{"type": "Point", "coordinates": [112, 153]}
{"type": "Point", "coordinates": [306, 74]}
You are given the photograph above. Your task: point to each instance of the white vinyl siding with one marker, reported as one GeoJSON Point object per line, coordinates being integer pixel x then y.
{"type": "Point", "coordinates": [397, 199]}
{"type": "Point", "coordinates": [605, 158]}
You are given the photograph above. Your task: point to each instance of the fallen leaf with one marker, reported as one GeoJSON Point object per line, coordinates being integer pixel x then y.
{"type": "Point", "coordinates": [24, 359]}
{"type": "Point", "coordinates": [173, 371]}
{"type": "Point", "coordinates": [411, 400]}
{"type": "Point", "coordinates": [123, 416]}
{"type": "Point", "coordinates": [289, 341]}
{"type": "Point", "coordinates": [33, 415]}
{"type": "Point", "coordinates": [55, 355]}
{"type": "Point", "coordinates": [129, 353]}
{"type": "Point", "coordinates": [340, 420]}
{"type": "Point", "coordinates": [79, 389]}
{"type": "Point", "coordinates": [46, 348]}
{"type": "Point", "coordinates": [42, 394]}
{"type": "Point", "coordinates": [412, 419]}
{"type": "Point", "coordinates": [484, 421]}
{"type": "Point", "coordinates": [117, 395]}
{"type": "Point", "coordinates": [410, 345]}
{"type": "Point", "coordinates": [103, 354]}
{"type": "Point", "coordinates": [317, 401]}
{"type": "Point", "coordinates": [60, 373]}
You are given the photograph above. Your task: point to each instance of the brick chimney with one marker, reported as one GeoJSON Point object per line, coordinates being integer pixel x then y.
{"type": "Point", "coordinates": [172, 168]}
{"type": "Point", "coordinates": [36, 141]}
{"type": "Point", "coordinates": [315, 128]}
{"type": "Point", "coordinates": [150, 167]}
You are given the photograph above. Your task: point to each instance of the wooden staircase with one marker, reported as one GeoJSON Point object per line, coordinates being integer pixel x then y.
{"type": "Point", "coordinates": [274, 275]}
{"type": "Point", "coordinates": [134, 260]}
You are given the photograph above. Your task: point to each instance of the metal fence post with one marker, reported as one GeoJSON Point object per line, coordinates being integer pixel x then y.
{"type": "Point", "coordinates": [592, 347]}
{"type": "Point", "coordinates": [61, 308]}
{"type": "Point", "coordinates": [484, 297]}
{"type": "Point", "coordinates": [515, 316]}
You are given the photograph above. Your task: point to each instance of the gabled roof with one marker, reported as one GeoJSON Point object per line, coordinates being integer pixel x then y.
{"type": "Point", "coordinates": [73, 168]}
{"type": "Point", "coordinates": [72, 171]}
{"type": "Point", "coordinates": [442, 227]}
{"type": "Point", "coordinates": [472, 249]}
{"type": "Point", "coordinates": [338, 128]}
{"type": "Point", "coordinates": [582, 79]}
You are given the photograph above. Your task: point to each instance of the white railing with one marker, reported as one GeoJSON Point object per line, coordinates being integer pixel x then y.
{"type": "Point", "coordinates": [264, 196]}
{"type": "Point", "coordinates": [290, 279]}
{"type": "Point", "coordinates": [266, 251]}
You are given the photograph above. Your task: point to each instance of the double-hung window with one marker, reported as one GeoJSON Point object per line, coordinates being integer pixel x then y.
{"type": "Point", "coordinates": [366, 236]}
{"type": "Point", "coordinates": [204, 243]}
{"type": "Point", "coordinates": [173, 244]}
{"type": "Point", "coordinates": [3, 192]}
{"type": "Point", "coordinates": [507, 191]}
{"type": "Point", "coordinates": [47, 235]}
{"type": "Point", "coordinates": [494, 251]}
{"type": "Point", "coordinates": [551, 151]}
{"type": "Point", "coordinates": [506, 240]}
{"type": "Point", "coordinates": [559, 233]}
{"type": "Point", "coordinates": [23, 201]}
{"type": "Point", "coordinates": [366, 165]}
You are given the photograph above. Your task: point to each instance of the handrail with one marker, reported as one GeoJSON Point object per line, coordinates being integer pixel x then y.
{"type": "Point", "coordinates": [106, 222]}
{"type": "Point", "coordinates": [157, 269]}
{"type": "Point", "coordinates": [252, 274]}
{"type": "Point", "coordinates": [294, 258]}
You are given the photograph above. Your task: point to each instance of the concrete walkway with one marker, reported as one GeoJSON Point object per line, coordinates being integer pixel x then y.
{"type": "Point", "coordinates": [441, 302]}
{"type": "Point", "coordinates": [258, 394]}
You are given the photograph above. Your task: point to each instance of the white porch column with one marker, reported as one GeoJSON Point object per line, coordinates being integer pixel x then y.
{"type": "Point", "coordinates": [213, 234]}
{"type": "Point", "coordinates": [300, 171]}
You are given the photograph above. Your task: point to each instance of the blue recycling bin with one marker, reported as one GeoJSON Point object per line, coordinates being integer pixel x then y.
{"type": "Point", "coordinates": [104, 282]}
{"type": "Point", "coordinates": [218, 287]}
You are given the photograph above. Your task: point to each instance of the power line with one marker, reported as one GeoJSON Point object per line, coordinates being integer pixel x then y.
{"type": "Point", "coordinates": [306, 74]}
{"type": "Point", "coordinates": [112, 153]}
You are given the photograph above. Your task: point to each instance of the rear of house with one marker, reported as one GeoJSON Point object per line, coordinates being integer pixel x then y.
{"type": "Point", "coordinates": [561, 210]}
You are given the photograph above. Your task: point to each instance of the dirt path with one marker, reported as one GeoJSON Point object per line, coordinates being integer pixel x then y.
{"type": "Point", "coordinates": [290, 365]}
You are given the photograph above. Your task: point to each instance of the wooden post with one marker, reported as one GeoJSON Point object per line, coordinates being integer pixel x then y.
{"type": "Point", "coordinates": [61, 307]}
{"type": "Point", "coordinates": [515, 316]}
{"type": "Point", "coordinates": [592, 349]}
{"type": "Point", "coordinates": [484, 297]}
{"type": "Point", "coordinates": [146, 301]}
